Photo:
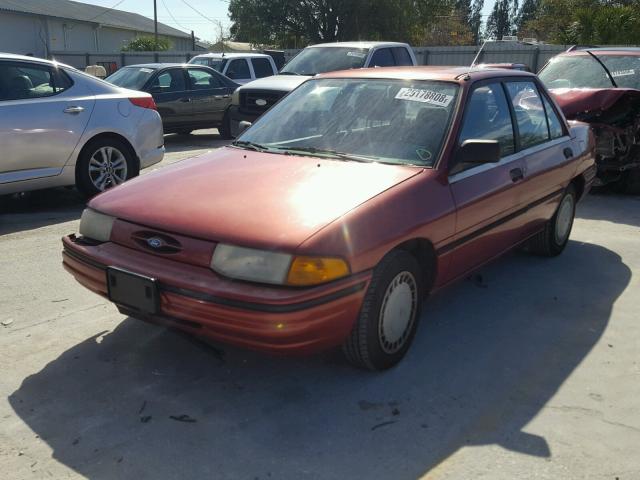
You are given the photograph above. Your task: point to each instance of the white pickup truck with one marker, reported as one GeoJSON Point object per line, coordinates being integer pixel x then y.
{"type": "Point", "coordinates": [254, 98]}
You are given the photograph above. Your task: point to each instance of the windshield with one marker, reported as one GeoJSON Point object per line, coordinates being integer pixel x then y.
{"type": "Point", "coordinates": [387, 121]}
{"type": "Point", "coordinates": [131, 77]}
{"type": "Point", "coordinates": [326, 59]}
{"type": "Point", "coordinates": [215, 63]}
{"type": "Point", "coordinates": [584, 71]}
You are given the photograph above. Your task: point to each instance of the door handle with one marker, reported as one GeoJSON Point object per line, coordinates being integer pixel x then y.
{"type": "Point", "coordinates": [185, 100]}
{"type": "Point", "coordinates": [220, 97]}
{"type": "Point", "coordinates": [516, 174]}
{"type": "Point", "coordinates": [568, 153]}
{"type": "Point", "coordinates": [73, 109]}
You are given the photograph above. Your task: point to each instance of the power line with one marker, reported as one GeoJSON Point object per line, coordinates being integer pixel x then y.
{"type": "Point", "coordinates": [198, 11]}
{"type": "Point", "coordinates": [171, 15]}
{"type": "Point", "coordinates": [105, 11]}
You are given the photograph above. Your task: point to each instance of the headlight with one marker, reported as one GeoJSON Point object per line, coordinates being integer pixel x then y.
{"type": "Point", "coordinates": [275, 268]}
{"type": "Point", "coordinates": [235, 97]}
{"type": "Point", "coordinates": [95, 225]}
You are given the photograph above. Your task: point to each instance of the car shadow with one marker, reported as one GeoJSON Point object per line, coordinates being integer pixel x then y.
{"type": "Point", "coordinates": [144, 402]}
{"type": "Point", "coordinates": [611, 207]}
{"type": "Point", "coordinates": [39, 208]}
{"type": "Point", "coordinates": [209, 138]}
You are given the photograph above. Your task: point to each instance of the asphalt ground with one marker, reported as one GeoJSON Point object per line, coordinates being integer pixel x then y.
{"type": "Point", "coordinates": [529, 369]}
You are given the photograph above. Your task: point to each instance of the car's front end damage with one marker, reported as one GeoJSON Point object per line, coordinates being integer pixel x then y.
{"type": "Point", "coordinates": [614, 116]}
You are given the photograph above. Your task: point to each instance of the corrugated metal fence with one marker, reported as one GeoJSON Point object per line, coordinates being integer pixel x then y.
{"type": "Point", "coordinates": [535, 56]}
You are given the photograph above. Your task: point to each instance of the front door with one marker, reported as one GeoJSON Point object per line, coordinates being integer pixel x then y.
{"type": "Point", "coordinates": [42, 117]}
{"type": "Point", "coordinates": [487, 196]}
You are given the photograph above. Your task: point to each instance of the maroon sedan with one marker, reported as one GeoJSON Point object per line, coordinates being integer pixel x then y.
{"type": "Point", "coordinates": [330, 219]}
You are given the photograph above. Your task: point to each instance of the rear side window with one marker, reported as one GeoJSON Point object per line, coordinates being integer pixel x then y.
{"type": "Point", "coordinates": [402, 56]}
{"type": "Point", "coordinates": [555, 125]}
{"type": "Point", "coordinates": [530, 114]}
{"type": "Point", "coordinates": [487, 117]}
{"type": "Point", "coordinates": [383, 58]}
{"type": "Point", "coordinates": [262, 67]}
{"type": "Point", "coordinates": [20, 81]}
{"type": "Point", "coordinates": [169, 81]}
{"type": "Point", "coordinates": [238, 69]}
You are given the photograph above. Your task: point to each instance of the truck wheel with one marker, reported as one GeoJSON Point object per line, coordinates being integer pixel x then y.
{"type": "Point", "coordinates": [555, 236]}
{"type": "Point", "coordinates": [104, 163]}
{"type": "Point", "coordinates": [225, 129]}
{"type": "Point", "coordinates": [389, 314]}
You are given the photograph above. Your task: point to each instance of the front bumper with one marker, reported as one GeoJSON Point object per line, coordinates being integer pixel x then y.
{"type": "Point", "coordinates": [196, 300]}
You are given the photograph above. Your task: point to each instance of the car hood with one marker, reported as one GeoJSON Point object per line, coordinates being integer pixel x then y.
{"type": "Point", "coordinates": [583, 103]}
{"type": "Point", "coordinates": [249, 198]}
{"type": "Point", "coordinates": [278, 83]}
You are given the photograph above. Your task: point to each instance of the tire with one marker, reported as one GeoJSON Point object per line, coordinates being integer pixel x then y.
{"type": "Point", "coordinates": [555, 236]}
{"type": "Point", "coordinates": [629, 182]}
{"type": "Point", "coordinates": [373, 343]}
{"type": "Point", "coordinates": [225, 129]}
{"type": "Point", "coordinates": [96, 172]}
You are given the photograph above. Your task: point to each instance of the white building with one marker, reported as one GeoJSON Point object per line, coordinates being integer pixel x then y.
{"type": "Point", "coordinates": [39, 27]}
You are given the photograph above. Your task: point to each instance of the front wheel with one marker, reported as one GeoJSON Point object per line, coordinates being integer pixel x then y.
{"type": "Point", "coordinates": [389, 314]}
{"type": "Point", "coordinates": [225, 129]}
{"type": "Point", "coordinates": [104, 163]}
{"type": "Point", "coordinates": [555, 236]}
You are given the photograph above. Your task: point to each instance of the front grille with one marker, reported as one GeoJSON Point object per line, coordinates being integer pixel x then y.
{"type": "Point", "coordinates": [249, 98]}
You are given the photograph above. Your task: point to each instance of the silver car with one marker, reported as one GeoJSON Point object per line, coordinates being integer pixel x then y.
{"type": "Point", "coordinates": [60, 126]}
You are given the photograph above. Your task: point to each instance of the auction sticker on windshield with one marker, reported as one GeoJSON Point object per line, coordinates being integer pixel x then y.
{"type": "Point", "coordinates": [424, 96]}
{"type": "Point", "coordinates": [356, 54]}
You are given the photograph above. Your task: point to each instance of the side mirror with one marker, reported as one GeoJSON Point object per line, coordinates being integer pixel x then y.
{"type": "Point", "coordinates": [243, 125]}
{"type": "Point", "coordinates": [478, 151]}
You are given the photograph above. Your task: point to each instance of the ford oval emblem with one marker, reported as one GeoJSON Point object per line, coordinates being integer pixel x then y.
{"type": "Point", "coordinates": [155, 242]}
{"type": "Point", "coordinates": [261, 102]}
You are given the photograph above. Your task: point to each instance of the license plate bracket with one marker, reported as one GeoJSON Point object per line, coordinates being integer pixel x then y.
{"type": "Point", "coordinates": [134, 291]}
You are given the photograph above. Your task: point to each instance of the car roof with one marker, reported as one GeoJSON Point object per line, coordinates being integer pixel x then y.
{"type": "Point", "coordinates": [359, 44]}
{"type": "Point", "coordinates": [27, 58]}
{"type": "Point", "coordinates": [157, 66]}
{"type": "Point", "coordinates": [452, 74]}
{"type": "Point", "coordinates": [604, 50]}
{"type": "Point", "coordinates": [232, 55]}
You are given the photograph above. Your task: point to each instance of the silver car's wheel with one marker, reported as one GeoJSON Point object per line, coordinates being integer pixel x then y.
{"type": "Point", "coordinates": [107, 168]}
{"type": "Point", "coordinates": [105, 163]}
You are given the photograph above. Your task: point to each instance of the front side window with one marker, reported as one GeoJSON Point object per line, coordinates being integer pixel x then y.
{"type": "Point", "coordinates": [487, 117]}
{"type": "Point", "coordinates": [131, 77]}
{"type": "Point", "coordinates": [386, 121]}
{"type": "Point", "coordinates": [383, 58]}
{"type": "Point", "coordinates": [314, 60]}
{"type": "Point", "coordinates": [238, 69]}
{"type": "Point", "coordinates": [202, 80]}
{"type": "Point", "coordinates": [530, 114]}
{"type": "Point", "coordinates": [22, 81]}
{"type": "Point", "coordinates": [402, 56]}
{"type": "Point", "coordinates": [262, 67]}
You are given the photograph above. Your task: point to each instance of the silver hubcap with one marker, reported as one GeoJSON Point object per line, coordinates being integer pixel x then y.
{"type": "Point", "coordinates": [398, 312]}
{"type": "Point", "coordinates": [107, 168]}
{"type": "Point", "coordinates": [564, 219]}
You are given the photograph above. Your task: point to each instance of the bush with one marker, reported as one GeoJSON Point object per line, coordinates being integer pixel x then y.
{"type": "Point", "coordinates": [147, 44]}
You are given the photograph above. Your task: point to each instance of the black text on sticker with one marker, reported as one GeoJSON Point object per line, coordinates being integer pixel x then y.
{"type": "Point", "coordinates": [425, 96]}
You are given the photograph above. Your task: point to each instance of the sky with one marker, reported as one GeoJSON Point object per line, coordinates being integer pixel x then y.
{"type": "Point", "coordinates": [180, 15]}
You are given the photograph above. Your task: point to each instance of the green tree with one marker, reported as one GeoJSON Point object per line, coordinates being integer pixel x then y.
{"type": "Point", "coordinates": [470, 12]}
{"type": "Point", "coordinates": [147, 44]}
{"type": "Point", "coordinates": [501, 22]}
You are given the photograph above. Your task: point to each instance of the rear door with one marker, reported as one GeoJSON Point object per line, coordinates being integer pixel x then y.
{"type": "Point", "coordinates": [487, 196]}
{"type": "Point", "coordinates": [42, 117]}
{"type": "Point", "coordinates": [169, 90]}
{"type": "Point", "coordinates": [545, 146]}
{"type": "Point", "coordinates": [209, 95]}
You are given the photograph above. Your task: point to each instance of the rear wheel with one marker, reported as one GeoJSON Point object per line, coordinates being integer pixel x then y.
{"type": "Point", "coordinates": [555, 236]}
{"type": "Point", "coordinates": [389, 315]}
{"type": "Point", "coordinates": [225, 129]}
{"type": "Point", "coordinates": [104, 163]}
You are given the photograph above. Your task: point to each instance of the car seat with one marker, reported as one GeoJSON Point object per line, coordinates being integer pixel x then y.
{"type": "Point", "coordinates": [20, 87]}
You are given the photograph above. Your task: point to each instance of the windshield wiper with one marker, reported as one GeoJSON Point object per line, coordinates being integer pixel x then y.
{"type": "Point", "coordinates": [326, 152]}
{"type": "Point", "coordinates": [613, 82]}
{"type": "Point", "coordinates": [250, 146]}
{"type": "Point", "coordinates": [289, 73]}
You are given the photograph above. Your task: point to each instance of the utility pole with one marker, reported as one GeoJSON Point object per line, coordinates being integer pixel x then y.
{"type": "Point", "coordinates": [155, 25]}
